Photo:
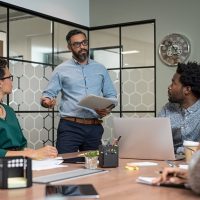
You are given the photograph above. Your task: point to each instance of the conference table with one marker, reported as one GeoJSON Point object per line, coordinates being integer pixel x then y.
{"type": "Point", "coordinates": [116, 183]}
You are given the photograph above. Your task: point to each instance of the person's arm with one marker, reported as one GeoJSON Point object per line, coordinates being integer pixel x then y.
{"type": "Point", "coordinates": [109, 92]}
{"type": "Point", "coordinates": [172, 175]}
{"type": "Point", "coordinates": [42, 153]}
{"type": "Point", "coordinates": [194, 175]}
{"type": "Point", "coordinates": [108, 89]}
{"type": "Point", "coordinates": [51, 91]}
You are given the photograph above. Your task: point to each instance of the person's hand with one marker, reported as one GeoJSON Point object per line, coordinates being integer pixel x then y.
{"type": "Point", "coordinates": [47, 102]}
{"type": "Point", "coordinates": [42, 153]}
{"type": "Point", "coordinates": [172, 175]}
{"type": "Point", "coordinates": [103, 112]}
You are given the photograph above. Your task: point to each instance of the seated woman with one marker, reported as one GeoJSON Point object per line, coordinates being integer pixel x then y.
{"type": "Point", "coordinates": [13, 142]}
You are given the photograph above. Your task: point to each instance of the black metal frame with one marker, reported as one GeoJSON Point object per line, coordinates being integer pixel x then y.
{"type": "Point", "coordinates": [88, 29]}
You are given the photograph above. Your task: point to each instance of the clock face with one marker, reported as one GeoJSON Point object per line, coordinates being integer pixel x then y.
{"type": "Point", "coordinates": [174, 48]}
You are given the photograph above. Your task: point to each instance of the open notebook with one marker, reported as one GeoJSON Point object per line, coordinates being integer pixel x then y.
{"type": "Point", "coordinates": [145, 138]}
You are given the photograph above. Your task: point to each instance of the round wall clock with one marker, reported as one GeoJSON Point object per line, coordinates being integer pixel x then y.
{"type": "Point", "coordinates": [174, 48]}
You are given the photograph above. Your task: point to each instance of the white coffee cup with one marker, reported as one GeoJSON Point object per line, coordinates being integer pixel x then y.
{"type": "Point", "coordinates": [190, 147]}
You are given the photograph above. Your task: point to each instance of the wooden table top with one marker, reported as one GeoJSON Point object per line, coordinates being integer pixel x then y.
{"type": "Point", "coordinates": [117, 183]}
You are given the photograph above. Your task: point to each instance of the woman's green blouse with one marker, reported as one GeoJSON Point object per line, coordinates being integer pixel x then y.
{"type": "Point", "coordinates": [11, 136]}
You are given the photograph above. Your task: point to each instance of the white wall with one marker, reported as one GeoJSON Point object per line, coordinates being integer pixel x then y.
{"type": "Point", "coordinates": [179, 16]}
{"type": "Point", "coordinates": [76, 11]}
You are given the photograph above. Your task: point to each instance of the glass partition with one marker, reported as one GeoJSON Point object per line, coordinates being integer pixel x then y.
{"type": "Point", "coordinates": [138, 45]}
{"type": "Point", "coordinates": [37, 44]}
{"type": "Point", "coordinates": [138, 89]}
{"type": "Point", "coordinates": [3, 31]}
{"type": "Point", "coordinates": [127, 52]}
{"type": "Point", "coordinates": [30, 37]}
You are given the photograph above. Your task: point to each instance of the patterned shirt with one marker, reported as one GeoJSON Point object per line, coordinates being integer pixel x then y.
{"type": "Point", "coordinates": [185, 123]}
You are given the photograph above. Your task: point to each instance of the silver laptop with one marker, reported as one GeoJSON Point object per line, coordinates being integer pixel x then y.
{"type": "Point", "coordinates": [145, 138]}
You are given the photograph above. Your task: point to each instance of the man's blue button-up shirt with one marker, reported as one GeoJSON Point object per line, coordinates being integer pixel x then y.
{"type": "Point", "coordinates": [75, 81]}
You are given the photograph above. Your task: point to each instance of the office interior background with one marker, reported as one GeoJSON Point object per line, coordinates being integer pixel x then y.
{"type": "Point", "coordinates": [123, 35]}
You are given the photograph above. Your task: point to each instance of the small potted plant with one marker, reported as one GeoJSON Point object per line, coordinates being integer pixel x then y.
{"type": "Point", "coordinates": [91, 159]}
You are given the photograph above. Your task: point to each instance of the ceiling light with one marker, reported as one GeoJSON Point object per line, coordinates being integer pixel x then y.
{"type": "Point", "coordinates": [129, 52]}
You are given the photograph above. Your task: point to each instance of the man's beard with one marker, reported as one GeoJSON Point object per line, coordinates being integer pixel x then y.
{"type": "Point", "coordinates": [81, 56]}
{"type": "Point", "coordinates": [172, 99]}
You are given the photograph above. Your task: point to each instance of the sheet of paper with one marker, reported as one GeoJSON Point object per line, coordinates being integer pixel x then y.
{"type": "Point", "coordinates": [184, 166]}
{"type": "Point", "coordinates": [97, 102]}
{"type": "Point", "coordinates": [141, 164]}
{"type": "Point", "coordinates": [145, 180]}
{"type": "Point", "coordinates": [49, 163]}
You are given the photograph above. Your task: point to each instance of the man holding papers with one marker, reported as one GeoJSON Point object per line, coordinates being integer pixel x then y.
{"type": "Point", "coordinates": [80, 126]}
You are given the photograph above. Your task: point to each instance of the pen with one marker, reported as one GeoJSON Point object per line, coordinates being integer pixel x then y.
{"type": "Point", "coordinates": [171, 164]}
{"type": "Point", "coordinates": [116, 141]}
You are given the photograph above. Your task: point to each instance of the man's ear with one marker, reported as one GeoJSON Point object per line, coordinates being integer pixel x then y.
{"type": "Point", "coordinates": [69, 47]}
{"type": "Point", "coordinates": [187, 90]}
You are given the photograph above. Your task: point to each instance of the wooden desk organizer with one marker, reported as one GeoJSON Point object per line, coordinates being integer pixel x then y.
{"type": "Point", "coordinates": [15, 172]}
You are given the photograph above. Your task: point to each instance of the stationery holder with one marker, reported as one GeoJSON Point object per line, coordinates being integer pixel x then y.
{"type": "Point", "coordinates": [108, 155]}
{"type": "Point", "coordinates": [15, 172]}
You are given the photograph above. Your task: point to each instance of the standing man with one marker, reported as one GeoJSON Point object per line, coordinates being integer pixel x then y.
{"type": "Point", "coordinates": [183, 108]}
{"type": "Point", "coordinates": [79, 128]}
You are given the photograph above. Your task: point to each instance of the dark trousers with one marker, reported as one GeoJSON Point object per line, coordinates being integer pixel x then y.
{"type": "Point", "coordinates": [73, 136]}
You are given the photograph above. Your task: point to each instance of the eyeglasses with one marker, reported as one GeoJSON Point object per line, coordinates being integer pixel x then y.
{"type": "Point", "coordinates": [7, 77]}
{"type": "Point", "coordinates": [78, 44]}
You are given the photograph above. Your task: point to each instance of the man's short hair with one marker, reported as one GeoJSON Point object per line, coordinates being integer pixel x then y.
{"type": "Point", "coordinates": [72, 33]}
{"type": "Point", "coordinates": [190, 76]}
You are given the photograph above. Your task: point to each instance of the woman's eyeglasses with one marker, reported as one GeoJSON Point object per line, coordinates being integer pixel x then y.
{"type": "Point", "coordinates": [7, 77]}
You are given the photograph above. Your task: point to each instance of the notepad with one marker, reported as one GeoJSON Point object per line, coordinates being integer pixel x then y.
{"type": "Point", "coordinates": [149, 181]}
{"type": "Point", "coordinates": [77, 173]}
{"type": "Point", "coordinates": [17, 182]}
{"type": "Point", "coordinates": [145, 180]}
{"type": "Point", "coordinates": [48, 163]}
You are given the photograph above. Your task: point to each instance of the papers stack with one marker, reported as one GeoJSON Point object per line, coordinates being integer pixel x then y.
{"type": "Point", "coordinates": [97, 102]}
{"type": "Point", "coordinates": [49, 163]}
{"type": "Point", "coordinates": [145, 180]}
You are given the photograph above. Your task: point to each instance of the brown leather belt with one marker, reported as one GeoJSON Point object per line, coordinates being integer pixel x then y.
{"type": "Point", "coordinates": [87, 121]}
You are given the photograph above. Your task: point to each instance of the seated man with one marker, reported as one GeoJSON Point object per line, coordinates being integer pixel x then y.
{"type": "Point", "coordinates": [12, 141]}
{"type": "Point", "coordinates": [177, 176]}
{"type": "Point", "coordinates": [183, 108]}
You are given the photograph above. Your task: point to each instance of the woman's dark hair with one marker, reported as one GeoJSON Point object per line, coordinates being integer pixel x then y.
{"type": "Point", "coordinates": [3, 64]}
{"type": "Point", "coordinates": [72, 33]}
{"type": "Point", "coordinates": [190, 76]}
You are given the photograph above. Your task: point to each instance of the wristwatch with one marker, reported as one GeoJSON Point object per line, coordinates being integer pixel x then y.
{"type": "Point", "coordinates": [174, 48]}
